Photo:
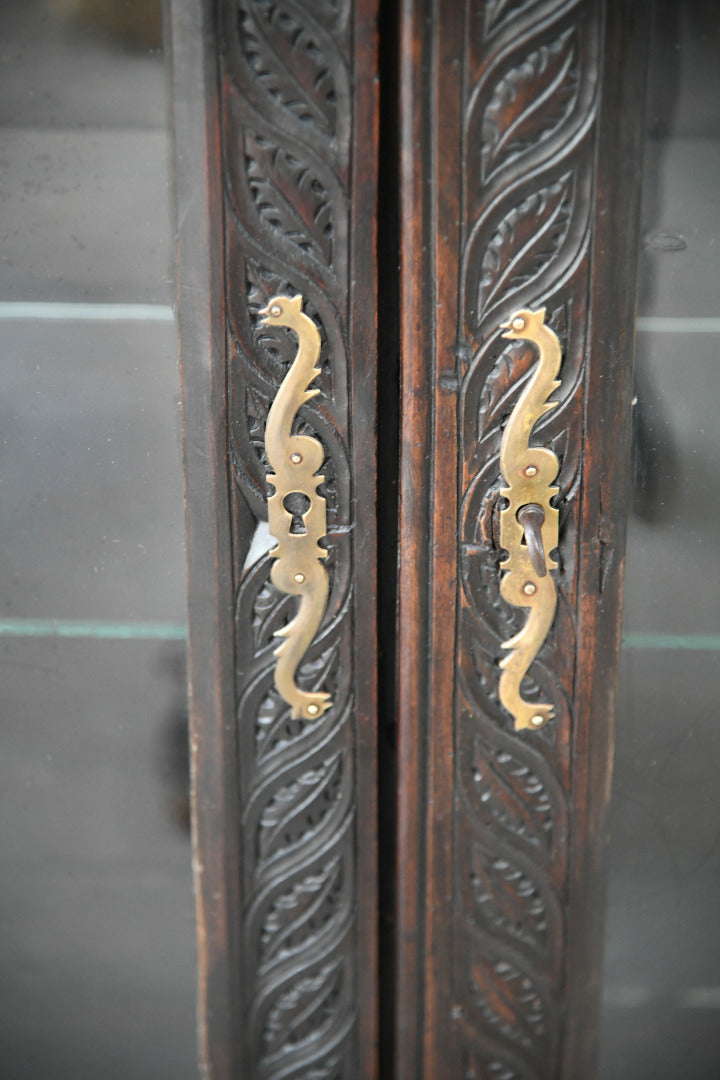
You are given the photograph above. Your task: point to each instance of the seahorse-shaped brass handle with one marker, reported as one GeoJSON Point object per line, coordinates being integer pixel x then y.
{"type": "Point", "coordinates": [295, 460]}
{"type": "Point", "coordinates": [529, 524]}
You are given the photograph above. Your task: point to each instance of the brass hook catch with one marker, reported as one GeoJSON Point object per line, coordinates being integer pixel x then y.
{"type": "Point", "coordinates": [531, 517]}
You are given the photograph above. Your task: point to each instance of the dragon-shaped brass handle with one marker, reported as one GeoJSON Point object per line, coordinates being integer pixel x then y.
{"type": "Point", "coordinates": [529, 524]}
{"type": "Point", "coordinates": [295, 460]}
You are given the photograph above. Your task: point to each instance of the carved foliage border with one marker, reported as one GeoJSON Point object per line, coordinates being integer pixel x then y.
{"type": "Point", "coordinates": [531, 68]}
{"type": "Point", "coordinates": [286, 132]}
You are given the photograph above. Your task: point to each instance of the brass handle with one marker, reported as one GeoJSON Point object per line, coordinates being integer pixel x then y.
{"type": "Point", "coordinates": [529, 524]}
{"type": "Point", "coordinates": [296, 512]}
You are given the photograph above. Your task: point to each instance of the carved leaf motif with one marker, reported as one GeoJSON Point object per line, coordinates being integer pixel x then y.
{"type": "Point", "coordinates": [525, 242]}
{"type": "Point", "coordinates": [508, 901]}
{"type": "Point", "coordinates": [530, 102]}
{"type": "Point", "coordinates": [512, 809]}
{"type": "Point", "coordinates": [506, 790]}
{"type": "Point", "coordinates": [289, 198]}
{"type": "Point", "coordinates": [508, 999]}
{"type": "Point", "coordinates": [262, 284]}
{"type": "Point", "coordinates": [497, 11]}
{"type": "Point", "coordinates": [329, 1068]}
{"type": "Point", "coordinates": [567, 447]}
{"type": "Point", "coordinates": [504, 385]}
{"type": "Point", "coordinates": [267, 716]}
{"type": "Point", "coordinates": [296, 811]}
{"type": "Point", "coordinates": [256, 410]}
{"type": "Point", "coordinates": [287, 117]}
{"type": "Point", "coordinates": [486, 669]}
{"type": "Point", "coordinates": [479, 1066]}
{"type": "Point", "coordinates": [247, 435]}
{"type": "Point", "coordinates": [270, 613]}
{"type": "Point", "coordinates": [316, 671]}
{"type": "Point", "coordinates": [275, 728]}
{"type": "Point", "coordinates": [302, 1010]}
{"type": "Point", "coordinates": [299, 914]}
{"type": "Point", "coordinates": [486, 624]}
{"type": "Point", "coordinates": [296, 65]}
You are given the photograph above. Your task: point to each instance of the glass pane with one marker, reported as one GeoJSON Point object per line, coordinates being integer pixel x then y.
{"type": "Point", "coordinates": [97, 958]}
{"type": "Point", "coordinates": [662, 985]}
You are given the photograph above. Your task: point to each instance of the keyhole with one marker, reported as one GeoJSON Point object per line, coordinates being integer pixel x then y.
{"type": "Point", "coordinates": [297, 504]}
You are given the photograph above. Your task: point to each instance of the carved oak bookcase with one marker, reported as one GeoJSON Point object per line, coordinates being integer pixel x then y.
{"type": "Point", "coordinates": [401, 878]}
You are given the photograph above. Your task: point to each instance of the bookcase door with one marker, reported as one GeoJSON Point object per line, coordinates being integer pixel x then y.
{"type": "Point", "coordinates": [521, 133]}
{"type": "Point", "coordinates": [275, 109]}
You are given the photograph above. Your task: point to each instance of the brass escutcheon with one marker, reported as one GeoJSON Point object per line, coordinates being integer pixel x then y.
{"type": "Point", "coordinates": [295, 460]}
{"type": "Point", "coordinates": [529, 524]}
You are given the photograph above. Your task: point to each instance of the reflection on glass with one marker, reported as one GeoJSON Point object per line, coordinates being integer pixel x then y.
{"type": "Point", "coordinates": [97, 957]}
{"type": "Point", "coordinates": [662, 986]}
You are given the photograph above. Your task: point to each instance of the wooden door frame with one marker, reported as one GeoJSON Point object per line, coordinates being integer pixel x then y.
{"type": "Point", "coordinates": [579, 67]}
{"type": "Point", "coordinates": [507, 982]}
{"type": "Point", "coordinates": [276, 189]}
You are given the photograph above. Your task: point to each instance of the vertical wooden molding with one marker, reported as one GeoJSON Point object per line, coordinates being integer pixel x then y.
{"type": "Point", "coordinates": [529, 113]}
{"type": "Point", "coordinates": [508, 96]}
{"type": "Point", "coordinates": [296, 160]}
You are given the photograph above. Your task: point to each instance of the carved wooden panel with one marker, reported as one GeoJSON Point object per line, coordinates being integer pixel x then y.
{"type": "Point", "coordinates": [529, 115]}
{"type": "Point", "coordinates": [513, 105]}
{"type": "Point", "coordinates": [290, 135]}
{"type": "Point", "coordinates": [518, 156]}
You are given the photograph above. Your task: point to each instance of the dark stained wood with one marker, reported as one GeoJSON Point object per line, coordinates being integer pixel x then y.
{"type": "Point", "coordinates": [416, 340]}
{"type": "Point", "coordinates": [520, 186]}
{"type": "Point", "coordinates": [517, 143]}
{"type": "Point", "coordinates": [216, 832]}
{"type": "Point", "coordinates": [276, 148]}
{"type": "Point", "coordinates": [606, 496]}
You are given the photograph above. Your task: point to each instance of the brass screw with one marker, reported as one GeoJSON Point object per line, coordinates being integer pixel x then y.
{"type": "Point", "coordinates": [296, 458]}
{"type": "Point", "coordinates": [529, 588]}
{"type": "Point", "coordinates": [299, 578]}
{"type": "Point", "coordinates": [276, 310]}
{"type": "Point", "coordinates": [313, 710]}
{"type": "Point", "coordinates": [537, 721]}
{"type": "Point", "coordinates": [531, 470]}
{"type": "Point", "coordinates": [518, 323]}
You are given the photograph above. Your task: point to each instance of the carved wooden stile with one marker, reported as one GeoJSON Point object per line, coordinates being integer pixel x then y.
{"type": "Point", "coordinates": [504, 104]}
{"type": "Point", "coordinates": [287, 910]}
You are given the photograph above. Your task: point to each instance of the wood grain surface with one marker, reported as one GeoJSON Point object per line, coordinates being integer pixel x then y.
{"type": "Point", "coordinates": [520, 188]}
{"type": "Point", "coordinates": [276, 142]}
{"type": "Point", "coordinates": [507, 177]}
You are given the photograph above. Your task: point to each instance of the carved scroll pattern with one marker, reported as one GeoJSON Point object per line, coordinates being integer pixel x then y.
{"type": "Point", "coordinates": [286, 119]}
{"type": "Point", "coordinates": [530, 115]}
